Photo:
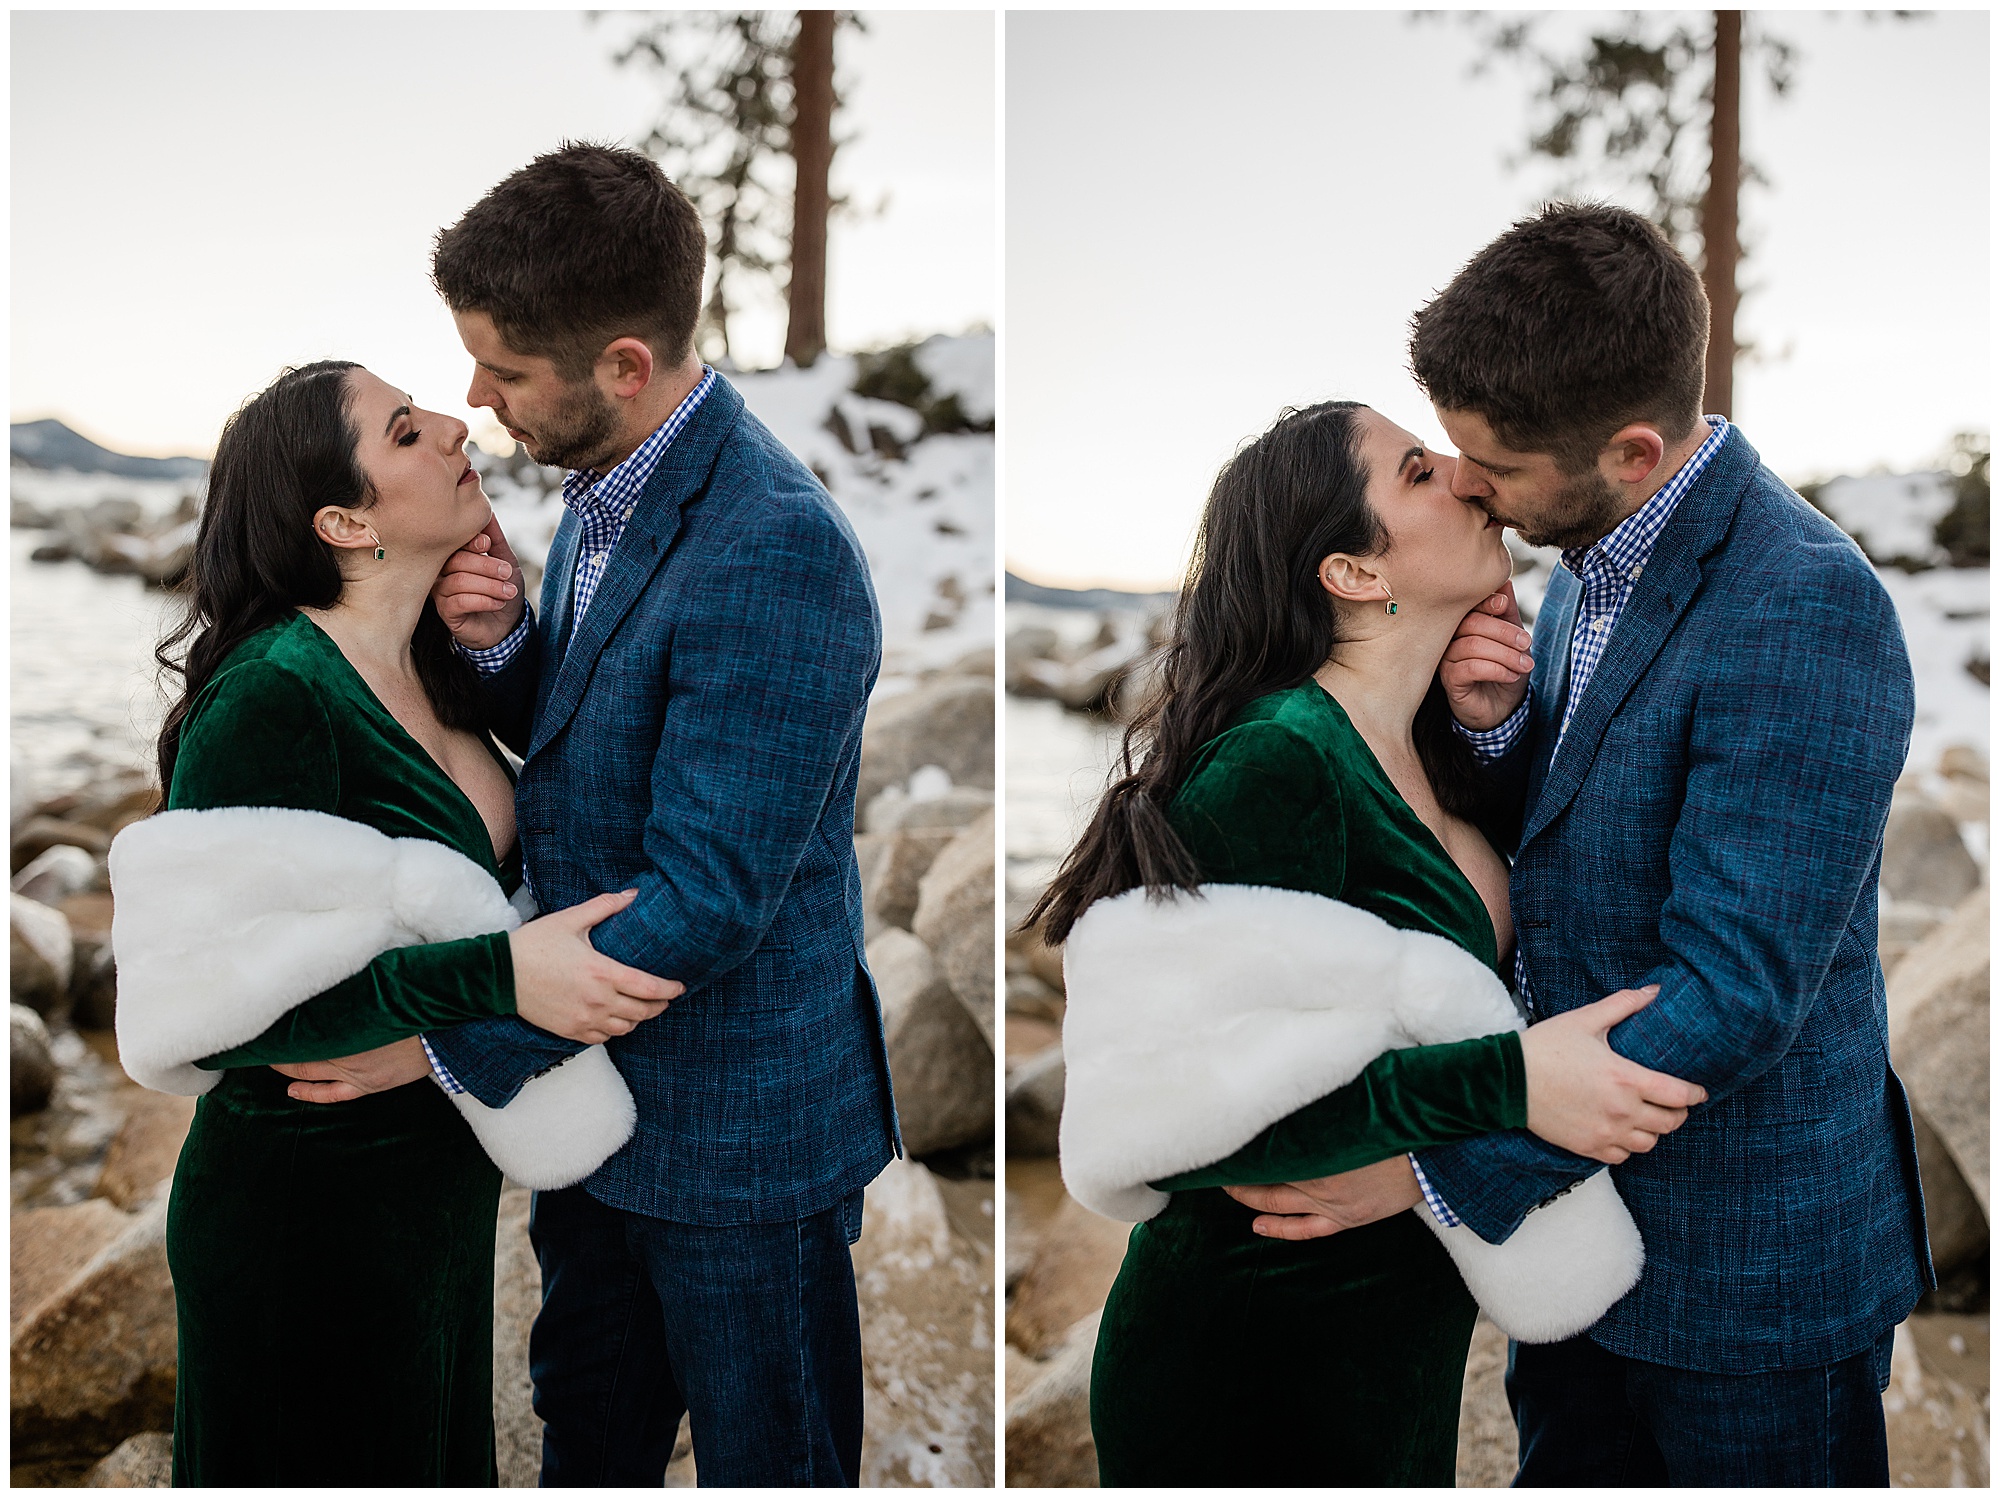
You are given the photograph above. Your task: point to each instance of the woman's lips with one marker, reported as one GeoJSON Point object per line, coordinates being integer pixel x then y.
{"type": "Point", "coordinates": [470, 476]}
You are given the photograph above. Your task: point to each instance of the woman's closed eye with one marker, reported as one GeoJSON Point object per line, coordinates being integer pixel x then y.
{"type": "Point", "coordinates": [409, 437]}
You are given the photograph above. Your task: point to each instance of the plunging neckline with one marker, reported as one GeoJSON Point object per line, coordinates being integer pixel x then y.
{"type": "Point", "coordinates": [486, 833]}
{"type": "Point", "coordinates": [1399, 799]}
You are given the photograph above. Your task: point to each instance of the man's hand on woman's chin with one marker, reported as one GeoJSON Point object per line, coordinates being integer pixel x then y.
{"type": "Point", "coordinates": [1331, 1204]}
{"type": "Point", "coordinates": [348, 1077]}
{"type": "Point", "coordinates": [1486, 667]}
{"type": "Point", "coordinates": [478, 594]}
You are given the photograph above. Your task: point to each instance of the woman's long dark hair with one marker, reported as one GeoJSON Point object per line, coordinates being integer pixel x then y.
{"type": "Point", "coordinates": [1251, 619]}
{"type": "Point", "coordinates": [286, 453]}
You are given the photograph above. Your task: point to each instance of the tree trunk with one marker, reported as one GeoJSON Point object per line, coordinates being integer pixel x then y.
{"type": "Point", "coordinates": [1718, 212]}
{"type": "Point", "coordinates": [812, 154]}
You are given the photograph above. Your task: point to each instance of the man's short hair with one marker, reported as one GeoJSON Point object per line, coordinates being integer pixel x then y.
{"type": "Point", "coordinates": [1564, 329]}
{"type": "Point", "coordinates": [582, 246]}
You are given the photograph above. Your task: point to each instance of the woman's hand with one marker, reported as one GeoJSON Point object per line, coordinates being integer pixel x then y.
{"type": "Point", "coordinates": [564, 985]}
{"type": "Point", "coordinates": [1588, 1099]}
{"type": "Point", "coordinates": [346, 1078]}
{"type": "Point", "coordinates": [478, 594]}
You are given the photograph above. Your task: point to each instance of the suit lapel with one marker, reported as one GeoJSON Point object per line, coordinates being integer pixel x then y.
{"type": "Point", "coordinates": [681, 475]}
{"type": "Point", "coordinates": [1662, 594]}
{"type": "Point", "coordinates": [559, 583]}
{"type": "Point", "coordinates": [1564, 597]}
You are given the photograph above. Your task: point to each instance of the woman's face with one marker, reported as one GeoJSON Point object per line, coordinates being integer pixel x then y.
{"type": "Point", "coordinates": [427, 494]}
{"type": "Point", "coordinates": [1443, 551]}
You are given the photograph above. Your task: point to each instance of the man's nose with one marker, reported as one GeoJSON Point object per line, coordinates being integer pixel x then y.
{"type": "Point", "coordinates": [1467, 482]}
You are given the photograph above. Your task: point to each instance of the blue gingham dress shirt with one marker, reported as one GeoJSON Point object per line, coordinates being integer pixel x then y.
{"type": "Point", "coordinates": [1608, 572]}
{"type": "Point", "coordinates": [603, 502]}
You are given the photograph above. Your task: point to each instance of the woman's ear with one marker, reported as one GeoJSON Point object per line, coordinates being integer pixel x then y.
{"type": "Point", "coordinates": [1351, 579]}
{"type": "Point", "coordinates": [343, 529]}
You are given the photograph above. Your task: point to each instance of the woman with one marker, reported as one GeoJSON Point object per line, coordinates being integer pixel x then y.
{"type": "Point", "coordinates": [333, 1266]}
{"type": "Point", "coordinates": [1300, 741]}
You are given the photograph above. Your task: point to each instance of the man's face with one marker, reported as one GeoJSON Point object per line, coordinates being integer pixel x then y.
{"type": "Point", "coordinates": [569, 425]}
{"type": "Point", "coordinates": [1529, 491]}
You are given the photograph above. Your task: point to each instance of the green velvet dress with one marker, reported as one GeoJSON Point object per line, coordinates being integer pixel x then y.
{"type": "Point", "coordinates": [333, 1263]}
{"type": "Point", "coordinates": [1228, 1359]}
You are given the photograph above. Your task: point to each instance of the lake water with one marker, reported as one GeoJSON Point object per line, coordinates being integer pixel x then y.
{"type": "Point", "coordinates": [1057, 765]}
{"type": "Point", "coordinates": [82, 675]}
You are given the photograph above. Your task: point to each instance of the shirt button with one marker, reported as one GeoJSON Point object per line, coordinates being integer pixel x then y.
{"type": "Point", "coordinates": [1596, 625]}
{"type": "Point", "coordinates": [1637, 570]}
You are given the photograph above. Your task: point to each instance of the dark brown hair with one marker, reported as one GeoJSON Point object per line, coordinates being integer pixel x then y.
{"type": "Point", "coordinates": [1565, 328]}
{"type": "Point", "coordinates": [287, 452]}
{"type": "Point", "coordinates": [1251, 619]}
{"type": "Point", "coordinates": [579, 247]}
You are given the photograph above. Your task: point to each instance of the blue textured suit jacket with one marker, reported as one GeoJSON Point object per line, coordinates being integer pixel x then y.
{"type": "Point", "coordinates": [1713, 823]}
{"type": "Point", "coordinates": [699, 739]}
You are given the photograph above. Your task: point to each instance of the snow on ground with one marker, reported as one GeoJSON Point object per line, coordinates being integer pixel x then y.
{"type": "Point", "coordinates": [50, 490]}
{"type": "Point", "coordinates": [1891, 515]}
{"type": "Point", "coordinates": [921, 505]}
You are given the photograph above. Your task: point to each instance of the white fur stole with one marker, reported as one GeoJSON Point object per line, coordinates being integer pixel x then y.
{"type": "Point", "coordinates": [224, 920]}
{"type": "Point", "coordinates": [1193, 1024]}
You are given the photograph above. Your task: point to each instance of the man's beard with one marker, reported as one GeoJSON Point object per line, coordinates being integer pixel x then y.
{"type": "Point", "coordinates": [1582, 512]}
{"type": "Point", "coordinates": [578, 433]}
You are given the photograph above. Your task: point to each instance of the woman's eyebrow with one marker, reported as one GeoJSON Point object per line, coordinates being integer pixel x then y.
{"type": "Point", "coordinates": [394, 416]}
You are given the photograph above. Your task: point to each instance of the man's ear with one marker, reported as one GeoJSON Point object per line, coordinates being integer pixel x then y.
{"type": "Point", "coordinates": [1632, 454]}
{"type": "Point", "coordinates": [625, 367]}
{"type": "Point", "coordinates": [1352, 579]}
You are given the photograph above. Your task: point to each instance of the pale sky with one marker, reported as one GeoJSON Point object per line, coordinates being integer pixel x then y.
{"type": "Point", "coordinates": [1210, 217]}
{"type": "Point", "coordinates": [200, 199]}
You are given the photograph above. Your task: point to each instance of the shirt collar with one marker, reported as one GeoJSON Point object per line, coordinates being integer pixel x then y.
{"type": "Point", "coordinates": [1627, 547]}
{"type": "Point", "coordinates": [609, 496]}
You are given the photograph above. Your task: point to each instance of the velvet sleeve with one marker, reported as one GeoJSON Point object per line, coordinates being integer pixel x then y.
{"type": "Point", "coordinates": [1405, 1100]}
{"type": "Point", "coordinates": [261, 737]}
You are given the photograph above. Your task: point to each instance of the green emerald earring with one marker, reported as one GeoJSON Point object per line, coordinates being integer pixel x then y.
{"type": "Point", "coordinates": [1392, 602]}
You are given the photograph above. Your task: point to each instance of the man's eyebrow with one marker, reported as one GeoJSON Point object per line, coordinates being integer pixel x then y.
{"type": "Point", "coordinates": [395, 416]}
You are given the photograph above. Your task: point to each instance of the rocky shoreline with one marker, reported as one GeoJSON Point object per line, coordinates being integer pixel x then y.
{"type": "Point", "coordinates": [93, 1350]}
{"type": "Point", "coordinates": [1935, 900]}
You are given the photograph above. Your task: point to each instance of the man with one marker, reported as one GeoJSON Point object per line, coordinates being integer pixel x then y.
{"type": "Point", "coordinates": [688, 710]}
{"type": "Point", "coordinates": [1702, 764]}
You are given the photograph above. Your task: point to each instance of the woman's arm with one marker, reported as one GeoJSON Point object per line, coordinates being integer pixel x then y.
{"type": "Point", "coordinates": [263, 738]}
{"type": "Point", "coordinates": [1405, 1100]}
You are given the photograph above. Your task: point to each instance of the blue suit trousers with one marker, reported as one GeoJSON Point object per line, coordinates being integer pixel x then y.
{"type": "Point", "coordinates": [750, 1330]}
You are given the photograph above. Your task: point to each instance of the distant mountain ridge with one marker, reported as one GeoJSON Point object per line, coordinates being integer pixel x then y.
{"type": "Point", "coordinates": [1020, 590]}
{"type": "Point", "coordinates": [49, 444]}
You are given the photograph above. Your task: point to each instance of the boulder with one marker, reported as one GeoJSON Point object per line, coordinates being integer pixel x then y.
{"type": "Point", "coordinates": [56, 873]}
{"type": "Point", "coordinates": [146, 1148]}
{"type": "Point", "coordinates": [1031, 998]}
{"type": "Point", "coordinates": [926, 1299]}
{"type": "Point", "coordinates": [940, 1065]}
{"type": "Point", "coordinates": [1028, 953]}
{"type": "Point", "coordinates": [1923, 857]}
{"type": "Point", "coordinates": [1034, 1105]}
{"type": "Point", "coordinates": [1953, 1219]}
{"type": "Point", "coordinates": [1938, 1036]}
{"type": "Point", "coordinates": [20, 787]}
{"type": "Point", "coordinates": [115, 807]}
{"type": "Point", "coordinates": [50, 1247]}
{"type": "Point", "coordinates": [1049, 1444]}
{"type": "Point", "coordinates": [517, 1296]}
{"type": "Point", "coordinates": [42, 955]}
{"type": "Point", "coordinates": [1901, 924]}
{"type": "Point", "coordinates": [896, 810]}
{"type": "Point", "coordinates": [1936, 1405]}
{"type": "Point", "coordinates": [1076, 1259]}
{"type": "Point", "coordinates": [93, 986]}
{"type": "Point", "coordinates": [1488, 1443]}
{"type": "Point", "coordinates": [94, 1362]}
{"type": "Point", "coordinates": [892, 863]}
{"type": "Point", "coordinates": [38, 834]}
{"type": "Point", "coordinates": [955, 919]}
{"type": "Point", "coordinates": [142, 1461]}
{"type": "Point", "coordinates": [948, 723]}
{"type": "Point", "coordinates": [34, 1068]}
